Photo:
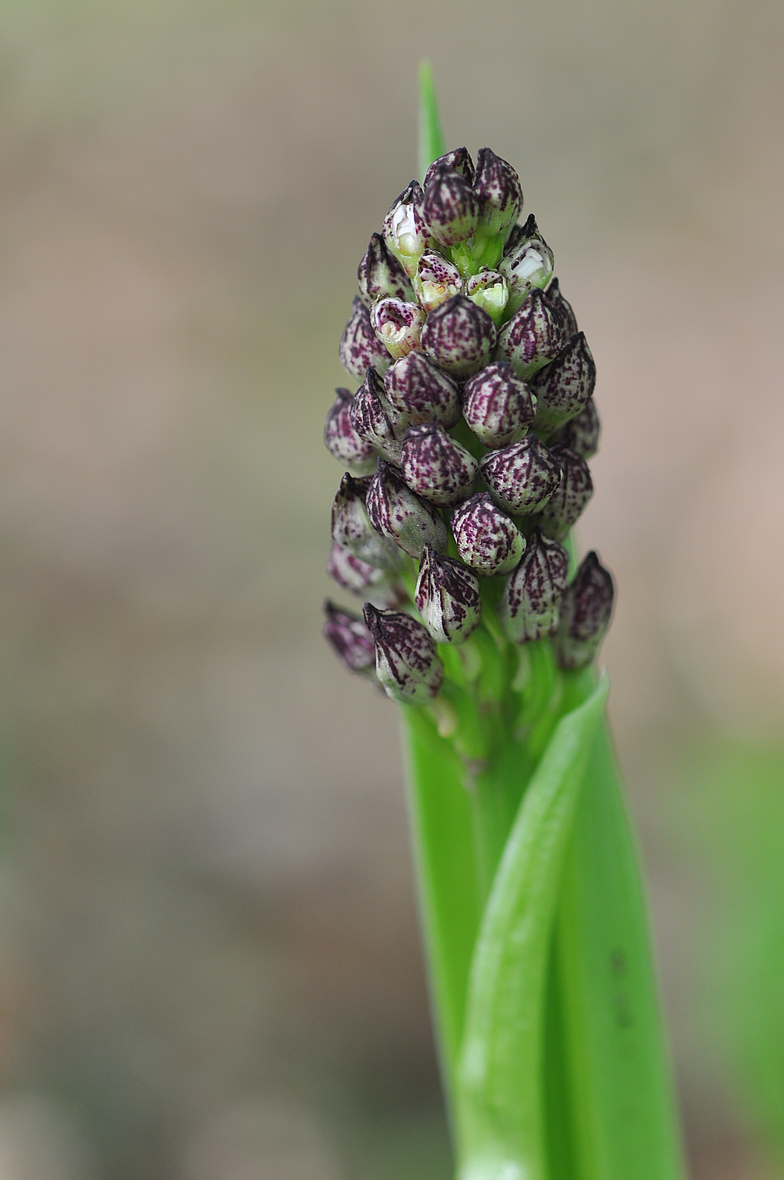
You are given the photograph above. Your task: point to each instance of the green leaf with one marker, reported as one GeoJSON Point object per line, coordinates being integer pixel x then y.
{"type": "Point", "coordinates": [431, 137]}
{"type": "Point", "coordinates": [500, 1116]}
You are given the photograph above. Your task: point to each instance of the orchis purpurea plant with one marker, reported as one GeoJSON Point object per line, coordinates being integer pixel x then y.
{"type": "Point", "coordinates": [466, 445]}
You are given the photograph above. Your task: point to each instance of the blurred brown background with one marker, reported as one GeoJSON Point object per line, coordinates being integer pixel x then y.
{"type": "Point", "coordinates": [209, 967]}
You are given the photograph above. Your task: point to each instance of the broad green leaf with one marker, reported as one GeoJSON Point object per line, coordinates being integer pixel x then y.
{"type": "Point", "coordinates": [431, 137]}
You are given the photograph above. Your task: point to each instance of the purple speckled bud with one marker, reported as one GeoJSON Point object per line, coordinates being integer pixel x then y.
{"type": "Point", "coordinates": [350, 639]}
{"type": "Point", "coordinates": [363, 579]}
{"type": "Point", "coordinates": [448, 598]}
{"type": "Point", "coordinates": [500, 195]}
{"type": "Point", "coordinates": [521, 477]}
{"type": "Point", "coordinates": [459, 336]}
{"type": "Point", "coordinates": [533, 336]}
{"type": "Point", "coordinates": [401, 515]}
{"type": "Point", "coordinates": [450, 207]}
{"type": "Point", "coordinates": [564, 387]}
{"type": "Point", "coordinates": [404, 230]}
{"type": "Point", "coordinates": [407, 663]}
{"type": "Point", "coordinates": [436, 280]}
{"type": "Point", "coordinates": [526, 264]}
{"type": "Point", "coordinates": [436, 466]}
{"type": "Point", "coordinates": [398, 325]}
{"type": "Point", "coordinates": [585, 614]}
{"type": "Point", "coordinates": [459, 160]}
{"type": "Point", "coordinates": [360, 348]}
{"type": "Point", "coordinates": [351, 527]}
{"type": "Point", "coordinates": [530, 600]}
{"type": "Point", "coordinates": [581, 433]}
{"type": "Point", "coordinates": [497, 405]}
{"type": "Point", "coordinates": [486, 538]}
{"type": "Point", "coordinates": [489, 291]}
{"type": "Point", "coordinates": [372, 418]}
{"type": "Point", "coordinates": [570, 497]}
{"type": "Point", "coordinates": [380, 275]}
{"type": "Point", "coordinates": [417, 391]}
{"type": "Point", "coordinates": [342, 440]}
{"type": "Point", "coordinates": [558, 300]}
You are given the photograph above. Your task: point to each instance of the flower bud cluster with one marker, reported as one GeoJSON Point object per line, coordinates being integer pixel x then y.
{"type": "Point", "coordinates": [467, 440]}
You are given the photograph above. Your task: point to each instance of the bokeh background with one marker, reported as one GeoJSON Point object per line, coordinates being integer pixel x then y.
{"type": "Point", "coordinates": [209, 967]}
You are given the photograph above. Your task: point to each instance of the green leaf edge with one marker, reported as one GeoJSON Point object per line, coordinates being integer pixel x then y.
{"type": "Point", "coordinates": [431, 137]}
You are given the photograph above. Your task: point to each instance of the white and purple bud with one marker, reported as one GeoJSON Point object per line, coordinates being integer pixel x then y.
{"type": "Point", "coordinates": [581, 433]}
{"type": "Point", "coordinates": [522, 477]}
{"type": "Point", "coordinates": [435, 280]}
{"type": "Point", "coordinates": [436, 466]}
{"type": "Point", "coordinates": [342, 440]}
{"type": "Point", "coordinates": [380, 275]}
{"type": "Point", "coordinates": [488, 290]}
{"type": "Point", "coordinates": [407, 663]}
{"type": "Point", "coordinates": [360, 348]}
{"type": "Point", "coordinates": [564, 388]}
{"type": "Point", "coordinates": [500, 194]}
{"type": "Point", "coordinates": [404, 229]}
{"type": "Point", "coordinates": [373, 420]}
{"type": "Point", "coordinates": [486, 538]}
{"type": "Point", "coordinates": [459, 336]}
{"type": "Point", "coordinates": [526, 264]}
{"type": "Point", "coordinates": [534, 335]}
{"type": "Point", "coordinates": [417, 392]}
{"type": "Point", "coordinates": [586, 611]}
{"type": "Point", "coordinates": [398, 325]}
{"type": "Point", "coordinates": [402, 516]}
{"type": "Point", "coordinates": [497, 405]}
{"type": "Point", "coordinates": [447, 595]}
{"type": "Point", "coordinates": [358, 577]}
{"type": "Point", "coordinates": [568, 500]}
{"type": "Point", "coordinates": [450, 207]}
{"type": "Point", "coordinates": [563, 305]}
{"type": "Point", "coordinates": [529, 604]}
{"type": "Point", "coordinates": [350, 639]}
{"type": "Point", "coordinates": [459, 160]}
{"type": "Point", "coordinates": [352, 529]}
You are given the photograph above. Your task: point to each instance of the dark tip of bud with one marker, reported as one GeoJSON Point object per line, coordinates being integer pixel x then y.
{"type": "Point", "coordinates": [360, 578]}
{"type": "Point", "coordinates": [564, 387]}
{"type": "Point", "coordinates": [459, 336]}
{"type": "Point", "coordinates": [486, 538]}
{"type": "Point", "coordinates": [569, 499]}
{"type": "Point", "coordinates": [372, 418]}
{"type": "Point", "coordinates": [417, 392]}
{"type": "Point", "coordinates": [349, 638]}
{"type": "Point", "coordinates": [380, 275]}
{"type": "Point", "coordinates": [401, 515]}
{"type": "Point", "coordinates": [448, 598]}
{"type": "Point", "coordinates": [360, 349]}
{"type": "Point", "coordinates": [529, 603]}
{"type": "Point", "coordinates": [585, 614]}
{"type": "Point", "coordinates": [497, 405]}
{"type": "Point", "coordinates": [521, 477]}
{"type": "Point", "coordinates": [558, 300]}
{"type": "Point", "coordinates": [534, 335]}
{"type": "Point", "coordinates": [459, 160]}
{"type": "Point", "coordinates": [407, 663]}
{"type": "Point", "coordinates": [581, 433]}
{"type": "Point", "coordinates": [436, 466]}
{"type": "Point", "coordinates": [450, 207]}
{"type": "Point", "coordinates": [398, 325]}
{"type": "Point", "coordinates": [520, 233]}
{"type": "Point", "coordinates": [342, 440]}
{"type": "Point", "coordinates": [500, 194]}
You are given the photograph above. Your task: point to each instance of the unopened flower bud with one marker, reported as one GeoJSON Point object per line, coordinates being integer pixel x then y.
{"type": "Point", "coordinates": [450, 207]}
{"type": "Point", "coordinates": [558, 300]}
{"type": "Point", "coordinates": [372, 418]}
{"type": "Point", "coordinates": [360, 578]}
{"type": "Point", "coordinates": [531, 597]}
{"type": "Point", "coordinates": [436, 466]}
{"type": "Point", "coordinates": [526, 264]}
{"type": "Point", "coordinates": [459, 336]}
{"type": "Point", "coordinates": [360, 348]}
{"type": "Point", "coordinates": [500, 195]}
{"type": "Point", "coordinates": [352, 529]}
{"type": "Point", "coordinates": [533, 336]}
{"type": "Point", "coordinates": [407, 663]}
{"type": "Point", "coordinates": [448, 598]}
{"type": "Point", "coordinates": [581, 433]}
{"type": "Point", "coordinates": [342, 440]}
{"type": "Point", "coordinates": [398, 325]}
{"type": "Point", "coordinates": [401, 515]}
{"type": "Point", "coordinates": [417, 391]}
{"type": "Point", "coordinates": [564, 387]}
{"type": "Point", "coordinates": [521, 477]}
{"type": "Point", "coordinates": [380, 275]}
{"type": "Point", "coordinates": [585, 614]}
{"type": "Point", "coordinates": [350, 639]}
{"type": "Point", "coordinates": [489, 291]}
{"type": "Point", "coordinates": [404, 230]}
{"type": "Point", "coordinates": [497, 405]}
{"type": "Point", "coordinates": [459, 160]}
{"type": "Point", "coordinates": [570, 497]}
{"type": "Point", "coordinates": [435, 280]}
{"type": "Point", "coordinates": [486, 538]}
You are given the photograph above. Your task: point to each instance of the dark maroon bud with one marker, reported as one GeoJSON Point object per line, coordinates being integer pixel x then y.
{"type": "Point", "coordinates": [486, 538]}
{"type": "Point", "coordinates": [497, 405]}
{"type": "Point", "coordinates": [436, 466]}
{"type": "Point", "coordinates": [521, 477]}
{"type": "Point", "coordinates": [401, 515]}
{"type": "Point", "coordinates": [448, 598]}
{"type": "Point", "coordinates": [459, 336]}
{"type": "Point", "coordinates": [564, 387]}
{"type": "Point", "coordinates": [530, 601]}
{"type": "Point", "coordinates": [570, 497]}
{"type": "Point", "coordinates": [350, 639]}
{"type": "Point", "coordinates": [581, 433]}
{"type": "Point", "coordinates": [563, 305]}
{"type": "Point", "coordinates": [372, 418]}
{"type": "Point", "coordinates": [360, 578]}
{"type": "Point", "coordinates": [585, 614]}
{"type": "Point", "coordinates": [407, 663]}
{"type": "Point", "coordinates": [436, 280]}
{"type": "Point", "coordinates": [533, 336]}
{"type": "Point", "coordinates": [404, 230]}
{"type": "Point", "coordinates": [419, 392]}
{"type": "Point", "coordinates": [342, 440]}
{"type": "Point", "coordinates": [351, 527]}
{"type": "Point", "coordinates": [450, 207]}
{"type": "Point", "coordinates": [380, 275]}
{"type": "Point", "coordinates": [360, 349]}
{"type": "Point", "coordinates": [526, 264]}
{"type": "Point", "coordinates": [500, 195]}
{"type": "Point", "coordinates": [398, 325]}
{"type": "Point", "coordinates": [459, 160]}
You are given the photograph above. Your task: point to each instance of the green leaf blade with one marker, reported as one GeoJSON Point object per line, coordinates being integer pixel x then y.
{"type": "Point", "coordinates": [431, 137]}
